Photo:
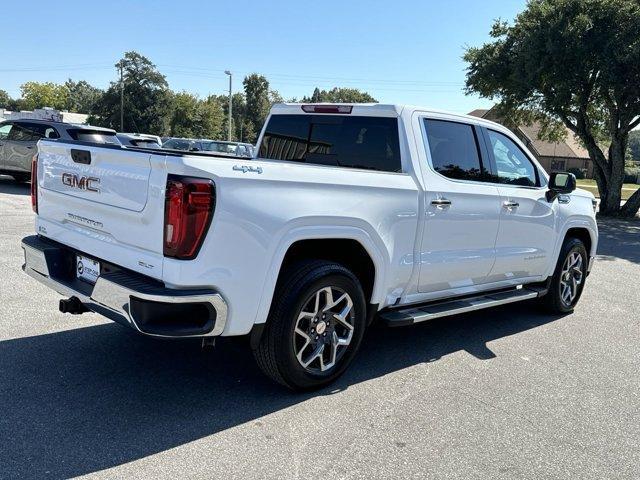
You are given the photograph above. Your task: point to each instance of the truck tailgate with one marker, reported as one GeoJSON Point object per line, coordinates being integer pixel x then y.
{"type": "Point", "coordinates": [96, 199]}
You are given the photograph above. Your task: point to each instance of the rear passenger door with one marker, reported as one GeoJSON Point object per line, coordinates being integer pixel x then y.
{"type": "Point", "coordinates": [462, 208]}
{"type": "Point", "coordinates": [526, 236]}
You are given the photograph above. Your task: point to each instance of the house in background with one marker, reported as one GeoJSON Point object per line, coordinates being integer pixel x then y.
{"type": "Point", "coordinates": [553, 156]}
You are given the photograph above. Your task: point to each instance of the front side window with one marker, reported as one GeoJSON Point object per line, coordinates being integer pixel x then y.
{"type": "Point", "coordinates": [454, 150]}
{"type": "Point", "coordinates": [513, 167]}
{"type": "Point", "coordinates": [5, 128]}
{"type": "Point", "coordinates": [354, 142]}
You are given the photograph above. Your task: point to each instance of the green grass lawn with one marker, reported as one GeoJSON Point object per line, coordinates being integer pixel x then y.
{"type": "Point", "coordinates": [627, 189]}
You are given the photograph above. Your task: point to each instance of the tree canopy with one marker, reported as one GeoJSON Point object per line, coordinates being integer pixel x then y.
{"type": "Point", "coordinates": [151, 107]}
{"type": "Point", "coordinates": [339, 95]}
{"type": "Point", "coordinates": [147, 98]}
{"type": "Point", "coordinates": [576, 62]}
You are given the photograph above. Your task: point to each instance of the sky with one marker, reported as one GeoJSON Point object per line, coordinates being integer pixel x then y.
{"type": "Point", "coordinates": [406, 52]}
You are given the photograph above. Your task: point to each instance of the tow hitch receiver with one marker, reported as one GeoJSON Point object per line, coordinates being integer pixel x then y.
{"type": "Point", "coordinates": [72, 305]}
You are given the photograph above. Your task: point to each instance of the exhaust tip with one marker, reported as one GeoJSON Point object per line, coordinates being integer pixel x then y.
{"type": "Point", "coordinates": [72, 305]}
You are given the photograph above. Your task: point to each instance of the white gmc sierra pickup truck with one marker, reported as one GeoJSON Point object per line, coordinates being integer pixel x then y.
{"type": "Point", "coordinates": [349, 213]}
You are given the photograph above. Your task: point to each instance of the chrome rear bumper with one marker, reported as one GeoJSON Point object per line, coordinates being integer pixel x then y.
{"type": "Point", "coordinates": [118, 295]}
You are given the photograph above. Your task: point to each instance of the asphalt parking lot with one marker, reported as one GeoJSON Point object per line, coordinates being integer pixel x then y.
{"type": "Point", "coordinates": [504, 393]}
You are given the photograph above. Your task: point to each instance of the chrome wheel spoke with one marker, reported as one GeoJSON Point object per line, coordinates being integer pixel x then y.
{"type": "Point", "coordinates": [317, 352]}
{"type": "Point", "coordinates": [323, 329]}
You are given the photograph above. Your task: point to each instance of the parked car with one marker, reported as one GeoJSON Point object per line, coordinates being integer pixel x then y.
{"type": "Point", "coordinates": [210, 146]}
{"type": "Point", "coordinates": [139, 140]}
{"type": "Point", "coordinates": [349, 213]}
{"type": "Point", "coordinates": [18, 139]}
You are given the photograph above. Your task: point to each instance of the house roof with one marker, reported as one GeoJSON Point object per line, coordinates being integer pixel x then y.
{"type": "Point", "coordinates": [570, 147]}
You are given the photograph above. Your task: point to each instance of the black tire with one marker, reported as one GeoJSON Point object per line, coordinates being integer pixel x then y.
{"type": "Point", "coordinates": [553, 301]}
{"type": "Point", "coordinates": [21, 177]}
{"type": "Point", "coordinates": [276, 351]}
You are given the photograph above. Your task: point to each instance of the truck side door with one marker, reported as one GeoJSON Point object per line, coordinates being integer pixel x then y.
{"type": "Point", "coordinates": [526, 236]}
{"type": "Point", "coordinates": [462, 208]}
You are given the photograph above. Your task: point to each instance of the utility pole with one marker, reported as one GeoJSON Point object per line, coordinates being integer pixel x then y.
{"type": "Point", "coordinates": [228, 72]}
{"type": "Point", "coordinates": [121, 98]}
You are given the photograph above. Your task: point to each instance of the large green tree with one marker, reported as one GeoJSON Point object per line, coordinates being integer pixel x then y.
{"type": "Point", "coordinates": [195, 118]}
{"type": "Point", "coordinates": [147, 98]}
{"type": "Point", "coordinates": [339, 95]}
{"type": "Point", "coordinates": [576, 62]}
{"type": "Point", "coordinates": [256, 92]}
{"type": "Point", "coordinates": [81, 96]}
{"type": "Point", "coordinates": [40, 95]}
{"type": "Point", "coordinates": [5, 99]}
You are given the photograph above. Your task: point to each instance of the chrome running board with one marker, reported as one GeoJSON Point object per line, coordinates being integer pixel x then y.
{"type": "Point", "coordinates": [445, 308]}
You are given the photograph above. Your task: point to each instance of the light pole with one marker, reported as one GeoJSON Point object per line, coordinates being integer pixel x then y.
{"type": "Point", "coordinates": [228, 72]}
{"type": "Point", "coordinates": [120, 66]}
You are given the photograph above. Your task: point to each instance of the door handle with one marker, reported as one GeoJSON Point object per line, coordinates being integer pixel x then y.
{"type": "Point", "coordinates": [510, 205]}
{"type": "Point", "coordinates": [441, 203]}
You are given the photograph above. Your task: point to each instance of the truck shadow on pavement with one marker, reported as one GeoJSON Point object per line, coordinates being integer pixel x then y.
{"type": "Point", "coordinates": [619, 238]}
{"type": "Point", "coordinates": [10, 186]}
{"type": "Point", "coordinates": [84, 400]}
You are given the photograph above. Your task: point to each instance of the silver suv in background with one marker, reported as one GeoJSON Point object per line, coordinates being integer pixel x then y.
{"type": "Point", "coordinates": [18, 140]}
{"type": "Point", "coordinates": [217, 147]}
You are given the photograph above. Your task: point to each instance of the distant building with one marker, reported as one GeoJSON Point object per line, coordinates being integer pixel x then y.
{"type": "Point", "coordinates": [553, 156]}
{"type": "Point", "coordinates": [44, 114]}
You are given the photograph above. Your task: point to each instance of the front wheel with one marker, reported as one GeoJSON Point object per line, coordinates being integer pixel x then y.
{"type": "Point", "coordinates": [568, 279]}
{"type": "Point", "coordinates": [315, 326]}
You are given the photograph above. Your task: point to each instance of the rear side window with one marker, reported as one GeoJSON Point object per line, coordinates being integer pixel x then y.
{"type": "Point", "coordinates": [23, 132]}
{"type": "Point", "coordinates": [354, 142]}
{"type": "Point", "coordinates": [454, 150]}
{"type": "Point", "coordinates": [94, 136]}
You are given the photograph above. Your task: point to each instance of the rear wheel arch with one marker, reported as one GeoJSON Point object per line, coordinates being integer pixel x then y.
{"type": "Point", "coordinates": [347, 252]}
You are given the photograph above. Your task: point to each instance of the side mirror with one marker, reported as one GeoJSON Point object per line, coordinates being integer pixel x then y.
{"type": "Point", "coordinates": [560, 183]}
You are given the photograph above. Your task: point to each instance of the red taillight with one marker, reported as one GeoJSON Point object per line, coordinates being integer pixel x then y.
{"type": "Point", "coordinates": [346, 109]}
{"type": "Point", "coordinates": [188, 209]}
{"type": "Point", "coordinates": [34, 183]}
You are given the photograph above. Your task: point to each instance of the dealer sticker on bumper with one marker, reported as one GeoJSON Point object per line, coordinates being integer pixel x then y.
{"type": "Point", "coordinates": [87, 269]}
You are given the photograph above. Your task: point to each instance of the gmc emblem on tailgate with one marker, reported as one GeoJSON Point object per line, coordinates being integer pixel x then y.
{"type": "Point", "coordinates": [83, 183]}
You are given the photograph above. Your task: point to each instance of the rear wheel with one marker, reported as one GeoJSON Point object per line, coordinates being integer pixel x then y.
{"type": "Point", "coordinates": [568, 279]}
{"type": "Point", "coordinates": [315, 326]}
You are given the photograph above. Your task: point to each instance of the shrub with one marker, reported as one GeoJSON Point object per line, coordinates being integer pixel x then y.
{"type": "Point", "coordinates": [578, 172]}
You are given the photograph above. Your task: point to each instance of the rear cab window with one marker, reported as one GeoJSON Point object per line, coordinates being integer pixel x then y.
{"type": "Point", "coordinates": [370, 143]}
{"type": "Point", "coordinates": [94, 136]}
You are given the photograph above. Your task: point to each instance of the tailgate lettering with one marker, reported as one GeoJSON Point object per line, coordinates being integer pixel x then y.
{"type": "Point", "coordinates": [82, 183]}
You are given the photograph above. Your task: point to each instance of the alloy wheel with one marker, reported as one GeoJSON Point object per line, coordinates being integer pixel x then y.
{"type": "Point", "coordinates": [571, 278]}
{"type": "Point", "coordinates": [324, 329]}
